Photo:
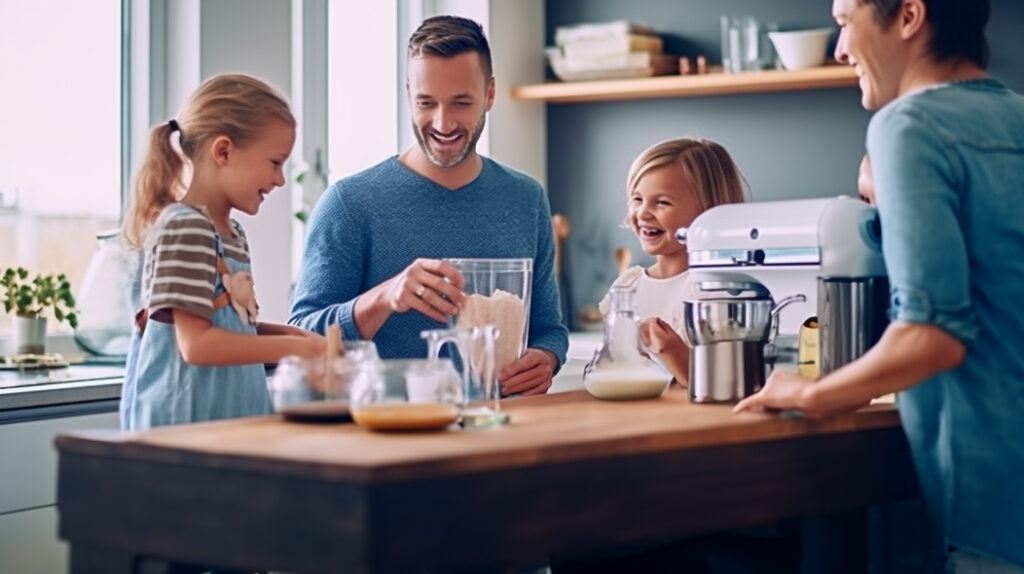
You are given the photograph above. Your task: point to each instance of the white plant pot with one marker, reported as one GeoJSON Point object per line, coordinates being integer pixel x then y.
{"type": "Point", "coordinates": [29, 335]}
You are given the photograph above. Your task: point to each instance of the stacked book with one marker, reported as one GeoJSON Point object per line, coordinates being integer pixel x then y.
{"type": "Point", "coordinates": [607, 50]}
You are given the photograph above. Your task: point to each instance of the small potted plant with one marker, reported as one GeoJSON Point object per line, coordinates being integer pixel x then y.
{"type": "Point", "coordinates": [32, 301]}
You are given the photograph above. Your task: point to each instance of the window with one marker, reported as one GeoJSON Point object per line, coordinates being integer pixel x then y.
{"type": "Point", "coordinates": [60, 133]}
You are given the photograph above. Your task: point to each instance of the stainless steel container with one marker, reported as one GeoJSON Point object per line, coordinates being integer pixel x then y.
{"type": "Point", "coordinates": [727, 338]}
{"type": "Point", "coordinates": [726, 372]}
{"type": "Point", "coordinates": [852, 314]}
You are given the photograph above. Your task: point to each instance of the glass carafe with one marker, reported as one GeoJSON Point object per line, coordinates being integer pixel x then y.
{"type": "Point", "coordinates": [108, 297]}
{"type": "Point", "coordinates": [476, 358]}
{"type": "Point", "coordinates": [621, 369]}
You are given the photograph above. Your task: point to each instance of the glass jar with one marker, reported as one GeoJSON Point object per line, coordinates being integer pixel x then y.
{"type": "Point", "coordinates": [621, 369]}
{"type": "Point", "coordinates": [318, 388]}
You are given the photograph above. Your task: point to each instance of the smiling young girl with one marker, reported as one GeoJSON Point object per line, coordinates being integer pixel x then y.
{"type": "Point", "coordinates": [670, 184]}
{"type": "Point", "coordinates": [195, 354]}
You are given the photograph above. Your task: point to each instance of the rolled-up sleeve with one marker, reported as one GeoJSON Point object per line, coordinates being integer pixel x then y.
{"type": "Point", "coordinates": [917, 181]}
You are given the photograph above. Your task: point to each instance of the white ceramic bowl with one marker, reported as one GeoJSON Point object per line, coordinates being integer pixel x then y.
{"type": "Point", "coordinates": [801, 49]}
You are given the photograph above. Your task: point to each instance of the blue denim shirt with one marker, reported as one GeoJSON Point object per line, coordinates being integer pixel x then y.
{"type": "Point", "coordinates": [948, 163]}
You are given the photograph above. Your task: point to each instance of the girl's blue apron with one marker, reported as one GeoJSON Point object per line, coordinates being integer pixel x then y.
{"type": "Point", "coordinates": [161, 389]}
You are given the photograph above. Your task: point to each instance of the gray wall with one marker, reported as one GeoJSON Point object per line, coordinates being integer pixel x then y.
{"type": "Point", "coordinates": [788, 145]}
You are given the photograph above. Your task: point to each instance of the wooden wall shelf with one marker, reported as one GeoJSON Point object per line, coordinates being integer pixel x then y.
{"type": "Point", "coordinates": [824, 77]}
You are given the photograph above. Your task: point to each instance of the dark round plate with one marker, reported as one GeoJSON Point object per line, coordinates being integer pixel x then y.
{"type": "Point", "coordinates": [318, 411]}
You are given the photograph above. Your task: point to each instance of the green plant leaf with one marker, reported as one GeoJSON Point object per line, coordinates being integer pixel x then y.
{"type": "Point", "coordinates": [36, 297]}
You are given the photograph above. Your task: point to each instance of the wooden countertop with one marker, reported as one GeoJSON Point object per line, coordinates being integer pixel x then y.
{"type": "Point", "coordinates": [570, 475]}
{"type": "Point", "coordinates": [564, 427]}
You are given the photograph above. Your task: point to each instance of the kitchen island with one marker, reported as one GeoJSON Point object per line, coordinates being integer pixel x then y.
{"type": "Point", "coordinates": [570, 475]}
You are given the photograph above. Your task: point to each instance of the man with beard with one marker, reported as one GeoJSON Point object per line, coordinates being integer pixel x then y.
{"type": "Point", "coordinates": [372, 261]}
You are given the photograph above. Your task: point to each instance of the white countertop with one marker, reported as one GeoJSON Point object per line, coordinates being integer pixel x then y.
{"type": "Point", "coordinates": [582, 346]}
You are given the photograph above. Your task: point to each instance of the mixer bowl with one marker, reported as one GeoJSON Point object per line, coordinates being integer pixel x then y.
{"type": "Point", "coordinates": [727, 339]}
{"type": "Point", "coordinates": [708, 321]}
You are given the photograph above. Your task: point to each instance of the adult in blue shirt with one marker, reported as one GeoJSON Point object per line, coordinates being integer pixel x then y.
{"type": "Point", "coordinates": [947, 151]}
{"type": "Point", "coordinates": [372, 260]}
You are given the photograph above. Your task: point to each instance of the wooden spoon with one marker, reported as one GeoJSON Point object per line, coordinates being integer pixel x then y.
{"type": "Point", "coordinates": [335, 348]}
{"type": "Point", "coordinates": [623, 256]}
{"type": "Point", "coordinates": [561, 229]}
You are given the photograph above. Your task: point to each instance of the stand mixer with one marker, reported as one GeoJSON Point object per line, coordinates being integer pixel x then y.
{"type": "Point", "coordinates": [827, 249]}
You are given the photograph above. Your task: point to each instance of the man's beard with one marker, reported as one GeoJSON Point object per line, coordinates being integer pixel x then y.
{"type": "Point", "coordinates": [422, 137]}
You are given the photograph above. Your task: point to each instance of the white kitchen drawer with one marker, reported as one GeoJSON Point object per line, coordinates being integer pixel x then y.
{"type": "Point", "coordinates": [28, 459]}
{"type": "Point", "coordinates": [29, 544]}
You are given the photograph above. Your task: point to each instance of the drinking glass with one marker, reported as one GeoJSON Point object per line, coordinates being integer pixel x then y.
{"type": "Point", "coordinates": [745, 44]}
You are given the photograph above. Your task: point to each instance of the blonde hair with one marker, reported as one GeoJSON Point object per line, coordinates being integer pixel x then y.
{"type": "Point", "coordinates": [708, 168]}
{"type": "Point", "coordinates": [232, 105]}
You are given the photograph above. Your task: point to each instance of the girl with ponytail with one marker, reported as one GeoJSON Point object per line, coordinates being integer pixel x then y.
{"type": "Point", "coordinates": [198, 350]}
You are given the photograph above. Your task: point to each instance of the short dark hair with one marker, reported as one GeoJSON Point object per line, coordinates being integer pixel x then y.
{"type": "Point", "coordinates": [449, 36]}
{"type": "Point", "coordinates": [958, 26]}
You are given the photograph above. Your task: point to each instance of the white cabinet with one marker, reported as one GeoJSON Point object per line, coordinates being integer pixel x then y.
{"type": "Point", "coordinates": [28, 542]}
{"type": "Point", "coordinates": [28, 491]}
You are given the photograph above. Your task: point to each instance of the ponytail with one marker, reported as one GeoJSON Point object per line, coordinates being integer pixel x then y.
{"type": "Point", "coordinates": [157, 184]}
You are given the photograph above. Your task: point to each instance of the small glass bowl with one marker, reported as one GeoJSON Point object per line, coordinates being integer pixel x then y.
{"type": "Point", "coordinates": [317, 387]}
{"type": "Point", "coordinates": [407, 395]}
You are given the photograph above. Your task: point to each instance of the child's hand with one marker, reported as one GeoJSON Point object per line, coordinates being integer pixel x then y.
{"type": "Point", "coordinates": [308, 344]}
{"type": "Point", "coordinates": [663, 340]}
{"type": "Point", "coordinates": [660, 337]}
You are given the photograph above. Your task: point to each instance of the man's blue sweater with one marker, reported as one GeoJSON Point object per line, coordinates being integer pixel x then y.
{"type": "Point", "coordinates": [369, 227]}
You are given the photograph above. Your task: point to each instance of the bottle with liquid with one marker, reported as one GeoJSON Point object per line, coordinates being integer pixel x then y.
{"type": "Point", "coordinates": [621, 369]}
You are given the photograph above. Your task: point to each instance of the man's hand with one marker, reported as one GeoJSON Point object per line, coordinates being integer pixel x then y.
{"type": "Point", "coordinates": [530, 374]}
{"type": "Point", "coordinates": [783, 391]}
{"type": "Point", "coordinates": [429, 286]}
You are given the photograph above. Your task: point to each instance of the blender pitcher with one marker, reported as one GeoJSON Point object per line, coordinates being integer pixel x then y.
{"type": "Point", "coordinates": [497, 293]}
